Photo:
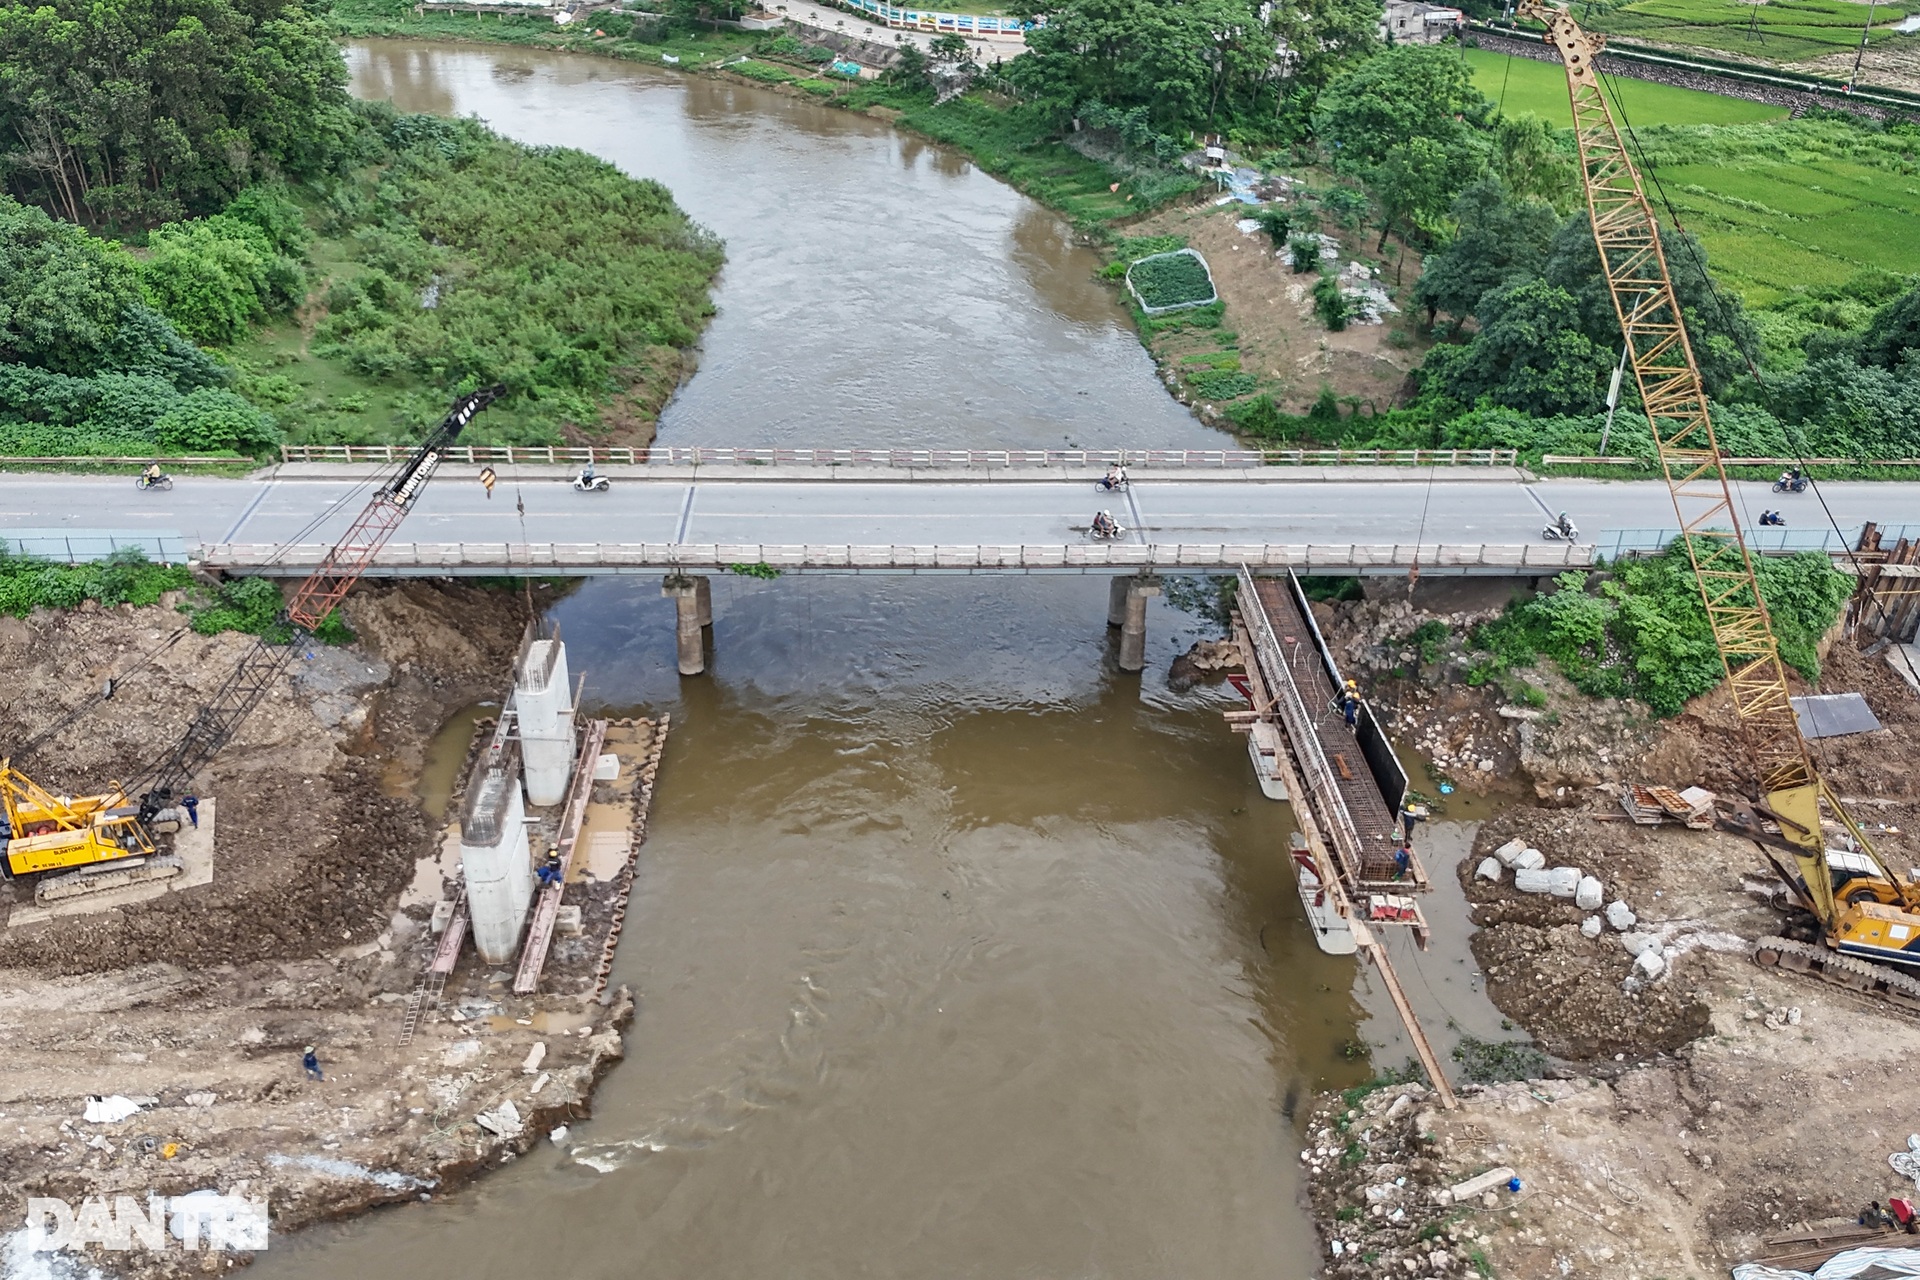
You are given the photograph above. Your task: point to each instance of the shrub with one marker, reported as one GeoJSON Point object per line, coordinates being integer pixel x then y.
{"type": "Point", "coordinates": [125, 577]}
{"type": "Point", "coordinates": [1304, 255]}
{"type": "Point", "coordinates": [1330, 303]}
{"type": "Point", "coordinates": [1222, 385]}
{"type": "Point", "coordinates": [215, 421]}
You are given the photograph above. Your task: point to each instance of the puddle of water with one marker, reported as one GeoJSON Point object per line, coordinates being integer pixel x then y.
{"type": "Point", "coordinates": [1908, 25]}
{"type": "Point", "coordinates": [431, 873]}
{"type": "Point", "coordinates": [440, 770]}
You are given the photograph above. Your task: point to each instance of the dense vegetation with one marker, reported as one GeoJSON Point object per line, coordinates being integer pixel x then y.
{"type": "Point", "coordinates": [132, 113]}
{"type": "Point", "coordinates": [212, 249]}
{"type": "Point", "coordinates": [1643, 632]}
{"type": "Point", "coordinates": [252, 605]}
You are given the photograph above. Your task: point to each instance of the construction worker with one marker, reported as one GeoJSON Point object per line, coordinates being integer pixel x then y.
{"type": "Point", "coordinates": [1402, 862]}
{"type": "Point", "coordinates": [1350, 708]}
{"type": "Point", "coordinates": [311, 1061]}
{"type": "Point", "coordinates": [192, 805]}
{"type": "Point", "coordinates": [549, 872]}
{"type": "Point", "coordinates": [1411, 816]}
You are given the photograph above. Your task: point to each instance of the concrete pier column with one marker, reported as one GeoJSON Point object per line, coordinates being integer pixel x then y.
{"type": "Point", "coordinates": [703, 600]}
{"type": "Point", "coordinates": [543, 701]}
{"type": "Point", "coordinates": [1117, 601]}
{"type": "Point", "coordinates": [1133, 627]}
{"type": "Point", "coordinates": [689, 635]}
{"type": "Point", "coordinates": [496, 861]}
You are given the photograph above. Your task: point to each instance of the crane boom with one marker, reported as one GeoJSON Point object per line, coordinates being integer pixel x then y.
{"type": "Point", "coordinates": [1865, 910]}
{"type": "Point", "coordinates": [215, 723]}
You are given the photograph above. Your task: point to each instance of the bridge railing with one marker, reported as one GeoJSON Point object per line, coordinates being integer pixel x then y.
{"type": "Point", "coordinates": [589, 557]}
{"type": "Point", "coordinates": [752, 456]}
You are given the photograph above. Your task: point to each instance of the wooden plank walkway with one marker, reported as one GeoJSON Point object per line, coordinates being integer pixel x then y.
{"type": "Point", "coordinates": [546, 907]}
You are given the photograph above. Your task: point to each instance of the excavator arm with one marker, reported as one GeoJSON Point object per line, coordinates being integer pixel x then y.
{"type": "Point", "coordinates": [1675, 402]}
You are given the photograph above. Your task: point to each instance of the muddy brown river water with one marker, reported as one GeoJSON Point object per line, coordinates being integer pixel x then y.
{"type": "Point", "coordinates": [957, 952]}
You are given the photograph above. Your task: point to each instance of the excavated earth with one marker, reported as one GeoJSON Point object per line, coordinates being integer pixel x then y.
{"type": "Point", "coordinates": [1681, 1121]}
{"type": "Point", "coordinates": [197, 1005]}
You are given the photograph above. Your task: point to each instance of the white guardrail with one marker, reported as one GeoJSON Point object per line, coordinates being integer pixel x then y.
{"type": "Point", "coordinates": [640, 557]}
{"type": "Point", "coordinates": [707, 455]}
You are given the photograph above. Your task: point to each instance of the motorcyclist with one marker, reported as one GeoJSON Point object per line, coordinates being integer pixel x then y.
{"type": "Point", "coordinates": [1116, 478]}
{"type": "Point", "coordinates": [151, 475]}
{"type": "Point", "coordinates": [1104, 525]}
{"type": "Point", "coordinates": [1567, 530]}
{"type": "Point", "coordinates": [585, 477]}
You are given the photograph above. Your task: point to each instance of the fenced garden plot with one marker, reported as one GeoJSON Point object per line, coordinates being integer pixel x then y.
{"type": "Point", "coordinates": [1163, 282]}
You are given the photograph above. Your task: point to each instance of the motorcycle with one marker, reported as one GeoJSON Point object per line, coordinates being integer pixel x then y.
{"type": "Point", "coordinates": [584, 483]}
{"type": "Point", "coordinates": [1564, 532]}
{"type": "Point", "coordinates": [1113, 486]}
{"type": "Point", "coordinates": [1796, 484]}
{"type": "Point", "coordinates": [163, 482]}
{"type": "Point", "coordinates": [1109, 532]}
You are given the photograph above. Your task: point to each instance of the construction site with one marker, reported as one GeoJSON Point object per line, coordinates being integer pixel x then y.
{"type": "Point", "coordinates": [1702, 931]}
{"type": "Point", "coordinates": [238, 955]}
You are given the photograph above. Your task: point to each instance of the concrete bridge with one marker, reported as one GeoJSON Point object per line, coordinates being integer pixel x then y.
{"type": "Point", "coordinates": [677, 514]}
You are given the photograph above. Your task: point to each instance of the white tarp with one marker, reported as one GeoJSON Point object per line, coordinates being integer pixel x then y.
{"type": "Point", "coordinates": [1877, 1262]}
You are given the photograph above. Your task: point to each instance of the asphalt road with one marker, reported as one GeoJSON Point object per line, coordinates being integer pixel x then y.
{"type": "Point", "coordinates": [206, 510]}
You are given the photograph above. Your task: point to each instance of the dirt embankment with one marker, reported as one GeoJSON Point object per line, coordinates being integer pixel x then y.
{"type": "Point", "coordinates": [198, 1004]}
{"type": "Point", "coordinates": [1689, 1116]}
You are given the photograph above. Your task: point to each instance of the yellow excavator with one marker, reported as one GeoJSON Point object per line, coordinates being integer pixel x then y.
{"type": "Point", "coordinates": [46, 832]}
{"type": "Point", "coordinates": [1862, 910]}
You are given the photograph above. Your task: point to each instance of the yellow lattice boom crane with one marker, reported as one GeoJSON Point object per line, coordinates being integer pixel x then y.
{"type": "Point", "coordinates": [1864, 910]}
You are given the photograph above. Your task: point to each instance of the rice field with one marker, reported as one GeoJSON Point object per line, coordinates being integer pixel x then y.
{"type": "Point", "coordinates": [1791, 204]}
{"type": "Point", "coordinates": [1779, 204]}
{"type": "Point", "coordinates": [1523, 86]}
{"type": "Point", "coordinates": [1774, 31]}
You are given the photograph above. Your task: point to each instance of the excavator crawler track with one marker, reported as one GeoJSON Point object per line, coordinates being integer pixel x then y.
{"type": "Point", "coordinates": [79, 884]}
{"type": "Point", "coordinates": [1897, 989]}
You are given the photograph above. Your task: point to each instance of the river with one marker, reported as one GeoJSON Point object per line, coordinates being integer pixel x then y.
{"type": "Point", "coordinates": [958, 953]}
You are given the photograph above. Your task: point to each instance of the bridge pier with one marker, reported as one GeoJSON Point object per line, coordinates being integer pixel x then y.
{"type": "Point", "coordinates": [1117, 601]}
{"type": "Point", "coordinates": [692, 602]}
{"type": "Point", "coordinates": [1133, 623]}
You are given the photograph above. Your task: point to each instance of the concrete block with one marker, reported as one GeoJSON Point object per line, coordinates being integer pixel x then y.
{"type": "Point", "coordinates": [1621, 917]}
{"type": "Point", "coordinates": [1489, 869]}
{"type": "Point", "coordinates": [1509, 852]}
{"type": "Point", "coordinates": [1588, 894]}
{"type": "Point", "coordinates": [1560, 882]}
{"type": "Point", "coordinates": [1636, 943]}
{"type": "Point", "coordinates": [566, 922]}
{"type": "Point", "coordinates": [1485, 1182]}
{"type": "Point", "coordinates": [1650, 964]}
{"type": "Point", "coordinates": [1530, 860]}
{"type": "Point", "coordinates": [606, 768]}
{"type": "Point", "coordinates": [1590, 926]}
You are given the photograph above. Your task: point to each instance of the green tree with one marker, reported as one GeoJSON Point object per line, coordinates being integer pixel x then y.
{"type": "Point", "coordinates": [1414, 183]}
{"type": "Point", "coordinates": [1408, 92]}
{"type": "Point", "coordinates": [1893, 331]}
{"type": "Point", "coordinates": [951, 47]}
{"type": "Point", "coordinates": [1496, 238]}
{"type": "Point", "coordinates": [1321, 39]}
{"type": "Point", "coordinates": [1529, 355]}
{"type": "Point", "coordinates": [1190, 63]}
{"type": "Point", "coordinates": [1717, 323]}
{"type": "Point", "coordinates": [139, 111]}
{"type": "Point", "coordinates": [210, 282]}
{"type": "Point", "coordinates": [1528, 153]}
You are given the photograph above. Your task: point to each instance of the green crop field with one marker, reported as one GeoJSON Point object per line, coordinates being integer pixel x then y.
{"type": "Point", "coordinates": [1526, 87]}
{"type": "Point", "coordinates": [1794, 203]}
{"type": "Point", "coordinates": [1775, 31]}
